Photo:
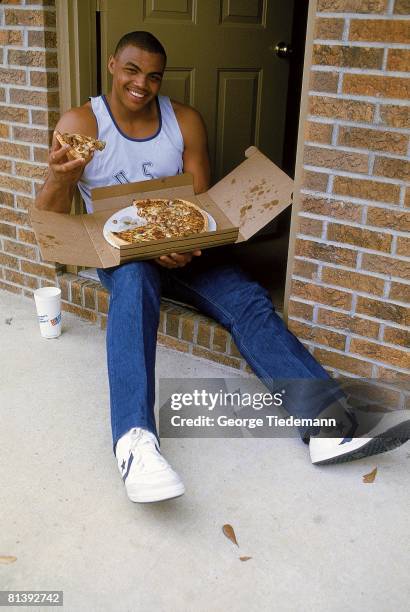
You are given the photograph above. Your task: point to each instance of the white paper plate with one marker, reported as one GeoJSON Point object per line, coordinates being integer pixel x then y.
{"type": "Point", "coordinates": [127, 218]}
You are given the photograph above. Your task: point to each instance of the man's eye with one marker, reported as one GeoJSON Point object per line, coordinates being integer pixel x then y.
{"type": "Point", "coordinates": [156, 79]}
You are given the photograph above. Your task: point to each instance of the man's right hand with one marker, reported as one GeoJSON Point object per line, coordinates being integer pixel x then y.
{"type": "Point", "coordinates": [63, 170]}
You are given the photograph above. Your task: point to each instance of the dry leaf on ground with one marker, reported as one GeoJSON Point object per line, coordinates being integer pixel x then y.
{"type": "Point", "coordinates": [371, 476]}
{"type": "Point", "coordinates": [7, 559]}
{"type": "Point", "coordinates": [245, 558]}
{"type": "Point", "coordinates": [230, 534]}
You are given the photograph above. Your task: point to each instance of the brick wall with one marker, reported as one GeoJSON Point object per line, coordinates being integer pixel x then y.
{"type": "Point", "coordinates": [350, 290]}
{"type": "Point", "coordinates": [29, 109]}
{"type": "Point", "coordinates": [351, 275]}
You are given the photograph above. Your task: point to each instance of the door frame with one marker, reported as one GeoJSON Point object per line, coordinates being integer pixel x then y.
{"type": "Point", "coordinates": [77, 61]}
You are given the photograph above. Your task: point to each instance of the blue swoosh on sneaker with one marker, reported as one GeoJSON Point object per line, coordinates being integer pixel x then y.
{"type": "Point", "coordinates": [345, 440]}
{"type": "Point", "coordinates": [130, 460]}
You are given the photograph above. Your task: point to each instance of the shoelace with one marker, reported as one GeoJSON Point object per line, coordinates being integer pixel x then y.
{"type": "Point", "coordinates": [145, 451]}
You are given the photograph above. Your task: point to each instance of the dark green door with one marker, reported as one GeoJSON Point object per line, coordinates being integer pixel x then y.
{"type": "Point", "coordinates": [221, 61]}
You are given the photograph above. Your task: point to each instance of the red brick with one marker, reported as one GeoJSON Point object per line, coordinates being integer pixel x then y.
{"type": "Point", "coordinates": [403, 246]}
{"type": "Point", "coordinates": [11, 37]}
{"type": "Point", "coordinates": [300, 310]}
{"type": "Point", "coordinates": [21, 279]}
{"type": "Point", "coordinates": [34, 98]}
{"type": "Point", "coordinates": [103, 301]}
{"type": "Point", "coordinates": [392, 335]}
{"type": "Point", "coordinates": [348, 323]}
{"type": "Point", "coordinates": [7, 230]}
{"type": "Point", "coordinates": [400, 292]}
{"type": "Point", "coordinates": [349, 110]}
{"type": "Point", "coordinates": [5, 166]}
{"type": "Point", "coordinates": [321, 295]}
{"type": "Point", "coordinates": [4, 130]}
{"type": "Point", "coordinates": [367, 190]}
{"type": "Point", "coordinates": [38, 269]}
{"type": "Point", "coordinates": [33, 136]}
{"type": "Point", "coordinates": [324, 81]}
{"type": "Point", "coordinates": [9, 149]}
{"type": "Point", "coordinates": [398, 60]}
{"type": "Point", "coordinates": [391, 219]}
{"type": "Point", "coordinates": [44, 79]}
{"type": "Point", "coordinates": [29, 18]}
{"type": "Point", "coordinates": [22, 250]}
{"type": "Point", "coordinates": [42, 38]}
{"type": "Point", "coordinates": [204, 334]}
{"type": "Point", "coordinates": [11, 75]}
{"type": "Point", "coordinates": [375, 140]}
{"type": "Point", "coordinates": [198, 351]}
{"type": "Point", "coordinates": [89, 315]}
{"type": "Point", "coordinates": [11, 113]}
{"type": "Point", "coordinates": [310, 227]}
{"type": "Point", "coordinates": [34, 59]}
{"type": "Point", "coordinates": [340, 361]}
{"type": "Point", "coordinates": [220, 339]}
{"type": "Point", "coordinates": [383, 310]}
{"type": "Point", "coordinates": [319, 132]}
{"type": "Point", "coordinates": [392, 168]}
{"type": "Point", "coordinates": [13, 216]}
{"type": "Point", "coordinates": [25, 235]}
{"type": "Point", "coordinates": [380, 30]}
{"type": "Point", "coordinates": [325, 252]}
{"type": "Point", "coordinates": [316, 181]}
{"type": "Point", "coordinates": [334, 158]}
{"type": "Point", "coordinates": [329, 29]}
{"type": "Point", "coordinates": [318, 335]}
{"type": "Point", "coordinates": [378, 86]}
{"type": "Point", "coordinates": [352, 6]}
{"type": "Point", "coordinates": [395, 116]}
{"type": "Point", "coordinates": [353, 280]}
{"type": "Point", "coordinates": [357, 236]}
{"type": "Point", "coordinates": [172, 324]}
{"type": "Point", "coordinates": [379, 352]}
{"type": "Point", "coordinates": [173, 343]}
{"type": "Point", "coordinates": [9, 261]}
{"type": "Point", "coordinates": [11, 288]}
{"type": "Point", "coordinates": [346, 56]}
{"type": "Point", "coordinates": [402, 7]}
{"type": "Point", "coordinates": [6, 199]}
{"type": "Point", "coordinates": [389, 266]}
{"type": "Point", "coordinates": [89, 296]}
{"type": "Point", "coordinates": [331, 208]}
{"type": "Point", "coordinates": [306, 269]}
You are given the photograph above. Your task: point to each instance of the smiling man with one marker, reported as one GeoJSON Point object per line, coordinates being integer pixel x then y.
{"type": "Point", "coordinates": [149, 136]}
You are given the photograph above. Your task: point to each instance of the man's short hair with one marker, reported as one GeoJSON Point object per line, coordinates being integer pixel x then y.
{"type": "Point", "coordinates": [142, 40]}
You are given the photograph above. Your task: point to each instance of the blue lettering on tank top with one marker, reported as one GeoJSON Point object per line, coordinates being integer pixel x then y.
{"type": "Point", "coordinates": [121, 177]}
{"type": "Point", "coordinates": [145, 167]}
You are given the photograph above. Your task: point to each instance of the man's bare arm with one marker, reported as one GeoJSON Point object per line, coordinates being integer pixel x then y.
{"type": "Point", "coordinates": [64, 173]}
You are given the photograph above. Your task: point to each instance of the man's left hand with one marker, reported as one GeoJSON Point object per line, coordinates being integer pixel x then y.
{"type": "Point", "coordinates": [176, 260]}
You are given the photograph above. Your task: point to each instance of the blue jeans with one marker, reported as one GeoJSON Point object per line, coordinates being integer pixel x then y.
{"type": "Point", "coordinates": [221, 291]}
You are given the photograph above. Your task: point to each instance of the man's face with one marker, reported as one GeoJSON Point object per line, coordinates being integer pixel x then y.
{"type": "Point", "coordinates": [137, 76]}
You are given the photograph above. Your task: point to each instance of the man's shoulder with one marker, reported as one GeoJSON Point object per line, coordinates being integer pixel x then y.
{"type": "Point", "coordinates": [189, 119]}
{"type": "Point", "coordinates": [185, 111]}
{"type": "Point", "coordinates": [79, 120]}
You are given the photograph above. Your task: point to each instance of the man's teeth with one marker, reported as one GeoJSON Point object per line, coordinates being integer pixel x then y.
{"type": "Point", "coordinates": [136, 94]}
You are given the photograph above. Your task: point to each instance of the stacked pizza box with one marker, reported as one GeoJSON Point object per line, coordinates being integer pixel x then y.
{"type": "Point", "coordinates": [238, 206]}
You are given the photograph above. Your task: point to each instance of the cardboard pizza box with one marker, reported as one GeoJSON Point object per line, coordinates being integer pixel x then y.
{"type": "Point", "coordinates": [242, 203]}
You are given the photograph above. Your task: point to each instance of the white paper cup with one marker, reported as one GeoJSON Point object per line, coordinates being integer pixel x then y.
{"type": "Point", "coordinates": [48, 304]}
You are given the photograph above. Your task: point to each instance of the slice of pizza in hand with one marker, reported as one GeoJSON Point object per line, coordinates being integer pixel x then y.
{"type": "Point", "coordinates": [81, 146]}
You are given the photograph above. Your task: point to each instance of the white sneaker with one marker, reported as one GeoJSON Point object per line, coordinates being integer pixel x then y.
{"type": "Point", "coordinates": [148, 477]}
{"type": "Point", "coordinates": [392, 431]}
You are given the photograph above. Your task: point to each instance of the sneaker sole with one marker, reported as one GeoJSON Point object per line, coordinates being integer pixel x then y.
{"type": "Point", "coordinates": [389, 440]}
{"type": "Point", "coordinates": [161, 495]}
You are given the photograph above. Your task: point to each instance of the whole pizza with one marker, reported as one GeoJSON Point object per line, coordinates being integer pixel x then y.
{"type": "Point", "coordinates": [163, 219]}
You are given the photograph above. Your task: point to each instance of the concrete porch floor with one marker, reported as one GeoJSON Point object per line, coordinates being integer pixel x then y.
{"type": "Point", "coordinates": [320, 539]}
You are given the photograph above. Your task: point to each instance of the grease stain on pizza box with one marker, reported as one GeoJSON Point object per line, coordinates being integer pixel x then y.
{"type": "Point", "coordinates": [241, 203]}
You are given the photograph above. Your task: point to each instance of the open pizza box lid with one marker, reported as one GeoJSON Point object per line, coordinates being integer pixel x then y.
{"type": "Point", "coordinates": [242, 203]}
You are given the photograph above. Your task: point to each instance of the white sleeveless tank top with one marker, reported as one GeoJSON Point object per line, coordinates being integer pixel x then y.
{"type": "Point", "coordinates": [125, 159]}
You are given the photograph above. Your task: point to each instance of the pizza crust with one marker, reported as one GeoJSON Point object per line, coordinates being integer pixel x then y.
{"type": "Point", "coordinates": [81, 146]}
